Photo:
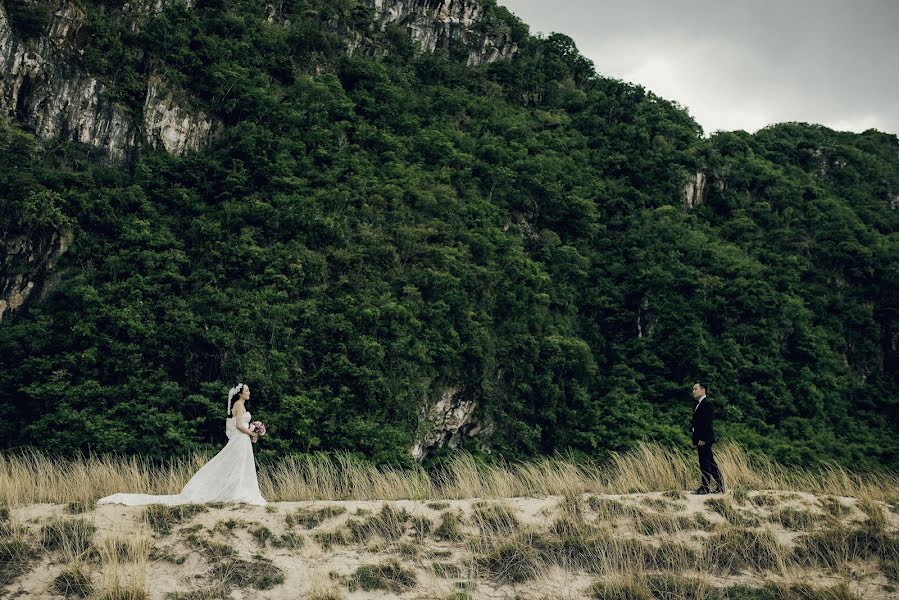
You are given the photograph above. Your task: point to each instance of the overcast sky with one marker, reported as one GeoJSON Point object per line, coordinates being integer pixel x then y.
{"type": "Point", "coordinates": [743, 65]}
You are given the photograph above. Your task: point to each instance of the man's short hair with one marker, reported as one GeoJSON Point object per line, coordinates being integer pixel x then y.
{"type": "Point", "coordinates": [702, 385]}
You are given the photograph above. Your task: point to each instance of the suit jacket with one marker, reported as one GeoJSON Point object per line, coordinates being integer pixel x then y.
{"type": "Point", "coordinates": [702, 422]}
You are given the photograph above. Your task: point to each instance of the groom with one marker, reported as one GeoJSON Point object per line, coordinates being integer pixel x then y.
{"type": "Point", "coordinates": [703, 438]}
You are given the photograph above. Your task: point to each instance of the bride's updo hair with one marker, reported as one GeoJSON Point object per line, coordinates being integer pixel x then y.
{"type": "Point", "coordinates": [234, 398]}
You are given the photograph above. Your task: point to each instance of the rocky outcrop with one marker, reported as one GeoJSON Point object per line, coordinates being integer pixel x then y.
{"type": "Point", "coordinates": [695, 190]}
{"type": "Point", "coordinates": [448, 422]}
{"type": "Point", "coordinates": [169, 121]}
{"type": "Point", "coordinates": [25, 261]}
{"type": "Point", "coordinates": [41, 87]}
{"type": "Point", "coordinates": [646, 318]}
{"type": "Point", "coordinates": [66, 30]}
{"type": "Point", "coordinates": [439, 24]}
{"type": "Point", "coordinates": [135, 14]}
{"type": "Point", "coordinates": [432, 24]}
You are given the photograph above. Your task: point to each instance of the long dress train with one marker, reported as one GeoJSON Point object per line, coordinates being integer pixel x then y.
{"type": "Point", "coordinates": [229, 476]}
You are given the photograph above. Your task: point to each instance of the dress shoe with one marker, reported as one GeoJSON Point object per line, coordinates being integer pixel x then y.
{"type": "Point", "coordinates": [701, 491]}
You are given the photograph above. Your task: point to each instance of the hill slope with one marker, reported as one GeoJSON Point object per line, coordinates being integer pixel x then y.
{"type": "Point", "coordinates": [547, 254]}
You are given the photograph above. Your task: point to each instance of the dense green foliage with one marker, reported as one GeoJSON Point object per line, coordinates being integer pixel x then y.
{"type": "Point", "coordinates": [29, 19]}
{"type": "Point", "coordinates": [359, 239]}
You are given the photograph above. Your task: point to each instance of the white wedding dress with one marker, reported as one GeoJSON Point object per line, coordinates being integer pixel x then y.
{"type": "Point", "coordinates": [229, 476]}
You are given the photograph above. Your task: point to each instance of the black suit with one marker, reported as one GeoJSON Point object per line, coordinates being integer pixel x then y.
{"type": "Point", "coordinates": [702, 422]}
{"type": "Point", "coordinates": [703, 414]}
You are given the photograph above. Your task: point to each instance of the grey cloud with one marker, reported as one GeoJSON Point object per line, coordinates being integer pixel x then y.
{"type": "Point", "coordinates": [743, 65]}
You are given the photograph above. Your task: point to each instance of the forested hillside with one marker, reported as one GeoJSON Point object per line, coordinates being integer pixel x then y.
{"type": "Point", "coordinates": [371, 229]}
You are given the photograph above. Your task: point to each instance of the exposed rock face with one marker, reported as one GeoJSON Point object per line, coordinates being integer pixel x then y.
{"type": "Point", "coordinates": [695, 190]}
{"type": "Point", "coordinates": [145, 8]}
{"type": "Point", "coordinates": [43, 87]}
{"type": "Point", "coordinates": [26, 260]}
{"type": "Point", "coordinates": [40, 87]}
{"type": "Point", "coordinates": [136, 13]}
{"type": "Point", "coordinates": [438, 23]}
{"type": "Point", "coordinates": [169, 121]}
{"type": "Point", "coordinates": [448, 422]}
{"type": "Point", "coordinates": [646, 319]}
{"type": "Point", "coordinates": [66, 28]}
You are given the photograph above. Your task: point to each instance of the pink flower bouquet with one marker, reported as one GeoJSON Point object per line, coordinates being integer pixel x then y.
{"type": "Point", "coordinates": [257, 427]}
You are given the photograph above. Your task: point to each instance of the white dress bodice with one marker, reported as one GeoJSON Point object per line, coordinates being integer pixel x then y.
{"type": "Point", "coordinates": [231, 425]}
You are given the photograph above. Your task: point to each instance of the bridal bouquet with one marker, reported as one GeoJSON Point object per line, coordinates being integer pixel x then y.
{"type": "Point", "coordinates": [257, 427]}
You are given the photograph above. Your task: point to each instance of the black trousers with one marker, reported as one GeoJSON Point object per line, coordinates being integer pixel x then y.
{"type": "Point", "coordinates": [708, 468]}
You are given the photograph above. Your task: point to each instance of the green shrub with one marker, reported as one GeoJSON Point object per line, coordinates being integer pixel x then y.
{"type": "Point", "coordinates": [511, 559]}
{"type": "Point", "coordinates": [258, 573]}
{"type": "Point", "coordinates": [162, 518]}
{"type": "Point", "coordinates": [388, 575]}
{"type": "Point", "coordinates": [28, 19]}
{"type": "Point", "coordinates": [737, 548]}
{"type": "Point", "coordinates": [288, 539]}
{"type": "Point", "coordinates": [261, 534]}
{"type": "Point", "coordinates": [795, 518]}
{"type": "Point", "coordinates": [450, 528]}
{"type": "Point", "coordinates": [310, 518]}
{"type": "Point", "coordinates": [74, 534]}
{"type": "Point", "coordinates": [495, 518]}
{"type": "Point", "coordinates": [73, 581]}
{"type": "Point", "coordinates": [17, 554]}
{"type": "Point", "coordinates": [835, 546]}
{"type": "Point", "coordinates": [389, 523]}
{"type": "Point", "coordinates": [327, 539]}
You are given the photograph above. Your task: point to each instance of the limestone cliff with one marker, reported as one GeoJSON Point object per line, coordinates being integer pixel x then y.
{"type": "Point", "coordinates": [439, 24]}
{"type": "Point", "coordinates": [44, 89]}
{"type": "Point", "coordinates": [448, 422]}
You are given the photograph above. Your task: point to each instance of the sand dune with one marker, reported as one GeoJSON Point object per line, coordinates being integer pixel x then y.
{"type": "Point", "coordinates": [639, 545]}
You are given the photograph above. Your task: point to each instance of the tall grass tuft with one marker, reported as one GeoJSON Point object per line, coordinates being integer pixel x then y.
{"type": "Point", "coordinates": [30, 477]}
{"type": "Point", "coordinates": [124, 567]}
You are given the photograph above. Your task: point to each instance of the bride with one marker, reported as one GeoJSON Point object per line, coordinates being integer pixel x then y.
{"type": "Point", "coordinates": [230, 476]}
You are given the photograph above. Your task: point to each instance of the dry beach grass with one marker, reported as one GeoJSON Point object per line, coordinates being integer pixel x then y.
{"type": "Point", "coordinates": [548, 529]}
{"type": "Point", "coordinates": [31, 477]}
